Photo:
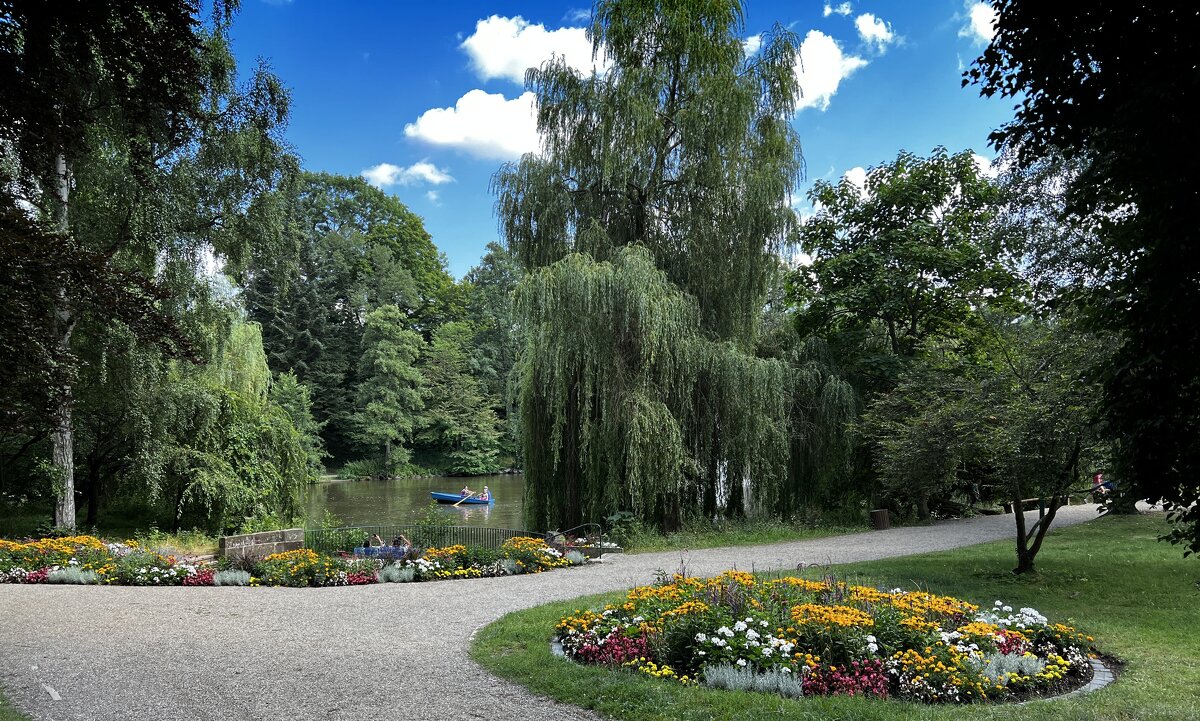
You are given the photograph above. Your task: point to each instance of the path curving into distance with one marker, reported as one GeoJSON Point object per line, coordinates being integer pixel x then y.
{"type": "Point", "coordinates": [385, 651]}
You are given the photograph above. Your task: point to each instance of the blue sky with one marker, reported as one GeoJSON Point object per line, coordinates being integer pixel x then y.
{"type": "Point", "coordinates": [425, 98]}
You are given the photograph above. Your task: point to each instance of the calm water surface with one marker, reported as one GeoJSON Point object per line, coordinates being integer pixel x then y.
{"type": "Point", "coordinates": [367, 503]}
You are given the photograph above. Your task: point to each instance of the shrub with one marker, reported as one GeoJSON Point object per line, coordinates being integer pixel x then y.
{"type": "Point", "coordinates": [575, 558]}
{"type": "Point", "coordinates": [397, 574]}
{"type": "Point", "coordinates": [231, 577]}
{"type": "Point", "coordinates": [509, 567]}
{"type": "Point", "coordinates": [1004, 669]}
{"type": "Point", "coordinates": [74, 576]}
{"type": "Point", "coordinates": [366, 469]}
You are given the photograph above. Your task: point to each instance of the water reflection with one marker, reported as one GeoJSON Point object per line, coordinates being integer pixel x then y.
{"type": "Point", "coordinates": [362, 503]}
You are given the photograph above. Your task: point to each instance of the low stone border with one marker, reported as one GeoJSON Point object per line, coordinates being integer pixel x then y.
{"type": "Point", "coordinates": [1102, 676]}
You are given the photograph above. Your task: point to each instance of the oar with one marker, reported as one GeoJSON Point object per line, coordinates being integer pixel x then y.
{"type": "Point", "coordinates": [462, 499]}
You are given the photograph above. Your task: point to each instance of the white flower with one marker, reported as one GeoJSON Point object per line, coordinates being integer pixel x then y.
{"type": "Point", "coordinates": [700, 653]}
{"type": "Point", "coordinates": [739, 626]}
{"type": "Point", "coordinates": [762, 623]}
{"type": "Point", "coordinates": [741, 662]}
{"type": "Point", "coordinates": [701, 637]}
{"type": "Point", "coordinates": [1007, 609]}
{"type": "Point", "coordinates": [719, 643]}
{"type": "Point", "coordinates": [766, 652]}
{"type": "Point", "coordinates": [724, 631]}
{"type": "Point", "coordinates": [752, 635]}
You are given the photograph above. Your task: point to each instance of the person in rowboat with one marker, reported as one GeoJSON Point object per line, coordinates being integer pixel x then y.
{"type": "Point", "coordinates": [486, 495]}
{"type": "Point", "coordinates": [466, 491]}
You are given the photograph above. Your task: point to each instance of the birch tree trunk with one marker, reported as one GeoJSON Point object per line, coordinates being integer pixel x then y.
{"type": "Point", "coordinates": [63, 437]}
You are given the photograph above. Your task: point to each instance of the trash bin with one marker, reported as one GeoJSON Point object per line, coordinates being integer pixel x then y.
{"type": "Point", "coordinates": [880, 519]}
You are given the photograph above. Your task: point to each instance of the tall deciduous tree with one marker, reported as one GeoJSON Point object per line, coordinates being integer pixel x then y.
{"type": "Point", "coordinates": [910, 255]}
{"type": "Point", "coordinates": [130, 133]}
{"type": "Point", "coordinates": [73, 72]}
{"type": "Point", "coordinates": [684, 148]}
{"type": "Point", "coordinates": [1105, 84]}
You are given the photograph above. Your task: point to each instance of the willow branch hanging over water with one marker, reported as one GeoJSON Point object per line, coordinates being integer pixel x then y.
{"type": "Point", "coordinates": [657, 210]}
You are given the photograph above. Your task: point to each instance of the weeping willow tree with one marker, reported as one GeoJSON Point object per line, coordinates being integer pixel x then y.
{"type": "Point", "coordinates": [640, 389]}
{"type": "Point", "coordinates": [610, 391]}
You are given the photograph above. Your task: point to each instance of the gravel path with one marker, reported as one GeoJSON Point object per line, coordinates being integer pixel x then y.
{"type": "Point", "coordinates": [388, 651]}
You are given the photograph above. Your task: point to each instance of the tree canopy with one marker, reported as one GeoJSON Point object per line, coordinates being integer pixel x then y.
{"type": "Point", "coordinates": [681, 158]}
{"type": "Point", "coordinates": [1102, 85]}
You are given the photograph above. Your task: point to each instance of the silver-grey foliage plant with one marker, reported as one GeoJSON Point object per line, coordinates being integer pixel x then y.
{"type": "Point", "coordinates": [396, 574]}
{"type": "Point", "coordinates": [1000, 668]}
{"type": "Point", "coordinates": [735, 678]}
{"type": "Point", "coordinates": [75, 576]}
{"type": "Point", "coordinates": [231, 577]}
{"type": "Point", "coordinates": [576, 558]}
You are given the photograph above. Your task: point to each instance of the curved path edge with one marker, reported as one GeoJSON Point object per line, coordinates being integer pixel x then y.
{"type": "Point", "coordinates": [395, 651]}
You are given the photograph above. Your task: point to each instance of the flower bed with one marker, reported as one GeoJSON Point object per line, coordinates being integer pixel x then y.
{"type": "Point", "coordinates": [796, 636]}
{"type": "Point", "coordinates": [88, 560]}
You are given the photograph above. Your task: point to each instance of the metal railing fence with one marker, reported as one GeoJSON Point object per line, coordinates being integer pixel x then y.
{"type": "Point", "coordinates": [334, 540]}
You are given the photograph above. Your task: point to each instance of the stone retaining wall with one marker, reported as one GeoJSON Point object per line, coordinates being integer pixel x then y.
{"type": "Point", "coordinates": [258, 545]}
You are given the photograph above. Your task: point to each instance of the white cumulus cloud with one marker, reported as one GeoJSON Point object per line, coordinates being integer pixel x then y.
{"type": "Point", "coordinates": [752, 45]}
{"type": "Point", "coordinates": [981, 18]}
{"type": "Point", "coordinates": [874, 31]}
{"type": "Point", "coordinates": [842, 9]}
{"type": "Point", "coordinates": [504, 47]}
{"type": "Point", "coordinates": [483, 124]}
{"type": "Point", "coordinates": [386, 174]}
{"type": "Point", "coordinates": [857, 176]}
{"type": "Point", "coordinates": [821, 66]}
{"type": "Point", "coordinates": [987, 168]}
{"type": "Point", "coordinates": [434, 197]}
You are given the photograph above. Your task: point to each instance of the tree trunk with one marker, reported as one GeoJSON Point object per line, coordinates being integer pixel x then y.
{"type": "Point", "coordinates": [62, 439]}
{"type": "Point", "coordinates": [923, 507]}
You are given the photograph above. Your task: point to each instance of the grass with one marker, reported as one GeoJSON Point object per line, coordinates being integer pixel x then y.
{"type": "Point", "coordinates": [1111, 578]}
{"type": "Point", "coordinates": [730, 533]}
{"type": "Point", "coordinates": [8, 713]}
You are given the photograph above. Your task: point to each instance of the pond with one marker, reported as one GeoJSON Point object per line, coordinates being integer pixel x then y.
{"type": "Point", "coordinates": [403, 500]}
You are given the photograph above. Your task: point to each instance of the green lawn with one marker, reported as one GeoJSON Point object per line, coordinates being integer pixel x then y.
{"type": "Point", "coordinates": [732, 533]}
{"type": "Point", "coordinates": [1111, 578]}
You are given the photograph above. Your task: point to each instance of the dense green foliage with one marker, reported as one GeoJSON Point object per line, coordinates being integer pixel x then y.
{"type": "Point", "coordinates": [192, 326]}
{"type": "Point", "coordinates": [653, 399]}
{"type": "Point", "coordinates": [1100, 85]}
{"type": "Point", "coordinates": [389, 396]}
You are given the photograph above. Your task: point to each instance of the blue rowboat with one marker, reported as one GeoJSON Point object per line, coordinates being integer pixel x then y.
{"type": "Point", "coordinates": [455, 498]}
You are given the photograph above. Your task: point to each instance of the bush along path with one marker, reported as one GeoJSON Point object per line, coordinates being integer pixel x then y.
{"type": "Point", "coordinates": [369, 651]}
